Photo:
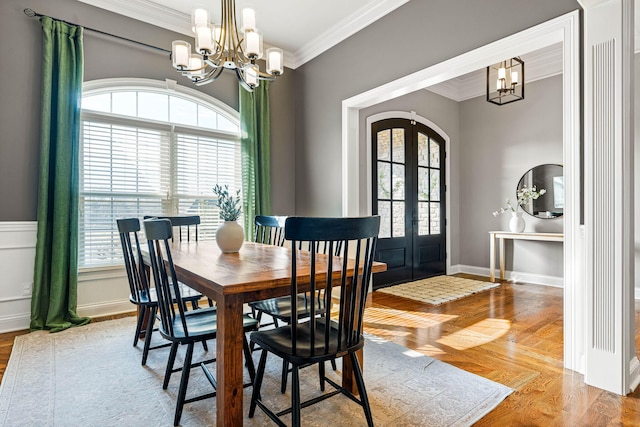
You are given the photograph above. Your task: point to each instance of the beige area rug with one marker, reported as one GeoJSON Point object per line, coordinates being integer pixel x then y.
{"type": "Point", "coordinates": [439, 289]}
{"type": "Point", "coordinates": [91, 376]}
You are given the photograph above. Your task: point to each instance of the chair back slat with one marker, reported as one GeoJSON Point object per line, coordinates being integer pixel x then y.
{"type": "Point", "coordinates": [158, 232]}
{"type": "Point", "coordinates": [334, 236]}
{"type": "Point", "coordinates": [269, 229]}
{"type": "Point", "coordinates": [180, 221]}
{"type": "Point", "coordinates": [128, 229]}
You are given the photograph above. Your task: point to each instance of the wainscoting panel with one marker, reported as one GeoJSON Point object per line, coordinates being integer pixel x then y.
{"type": "Point", "coordinates": [17, 252]}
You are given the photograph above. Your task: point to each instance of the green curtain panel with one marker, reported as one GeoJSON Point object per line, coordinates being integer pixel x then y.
{"type": "Point", "coordinates": [55, 278]}
{"type": "Point", "coordinates": [256, 154]}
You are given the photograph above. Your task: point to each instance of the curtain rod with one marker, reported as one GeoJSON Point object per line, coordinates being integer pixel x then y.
{"type": "Point", "coordinates": [33, 14]}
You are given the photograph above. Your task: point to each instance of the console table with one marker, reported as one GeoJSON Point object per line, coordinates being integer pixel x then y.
{"type": "Point", "coordinates": [503, 235]}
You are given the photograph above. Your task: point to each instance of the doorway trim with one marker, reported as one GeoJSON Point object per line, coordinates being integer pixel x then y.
{"type": "Point", "coordinates": [411, 115]}
{"type": "Point", "coordinates": [564, 29]}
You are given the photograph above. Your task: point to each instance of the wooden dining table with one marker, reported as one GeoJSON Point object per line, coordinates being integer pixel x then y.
{"type": "Point", "coordinates": [254, 273]}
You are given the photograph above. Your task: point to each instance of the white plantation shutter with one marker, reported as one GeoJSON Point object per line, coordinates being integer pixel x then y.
{"type": "Point", "coordinates": [132, 167]}
{"type": "Point", "coordinates": [124, 173]}
{"type": "Point", "coordinates": [200, 162]}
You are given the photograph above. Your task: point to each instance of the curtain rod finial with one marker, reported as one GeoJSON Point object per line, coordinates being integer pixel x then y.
{"type": "Point", "coordinates": [30, 12]}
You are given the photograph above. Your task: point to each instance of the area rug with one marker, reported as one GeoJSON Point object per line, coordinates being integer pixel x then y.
{"type": "Point", "coordinates": [439, 289]}
{"type": "Point", "coordinates": [91, 376]}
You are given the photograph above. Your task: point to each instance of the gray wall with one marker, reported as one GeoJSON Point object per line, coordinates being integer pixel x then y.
{"type": "Point", "coordinates": [444, 113]}
{"type": "Point", "coordinates": [20, 45]}
{"type": "Point", "coordinates": [498, 144]}
{"type": "Point", "coordinates": [413, 37]}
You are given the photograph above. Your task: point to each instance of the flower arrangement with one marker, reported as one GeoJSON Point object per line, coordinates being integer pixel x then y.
{"type": "Point", "coordinates": [229, 205]}
{"type": "Point", "coordinates": [525, 195]}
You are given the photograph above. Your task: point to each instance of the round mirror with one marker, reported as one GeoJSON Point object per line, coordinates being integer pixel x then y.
{"type": "Point", "coordinates": [551, 179]}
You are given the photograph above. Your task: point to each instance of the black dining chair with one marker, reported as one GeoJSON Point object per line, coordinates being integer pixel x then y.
{"type": "Point", "coordinates": [179, 326]}
{"type": "Point", "coordinates": [180, 221]}
{"type": "Point", "coordinates": [337, 334]}
{"type": "Point", "coordinates": [141, 294]}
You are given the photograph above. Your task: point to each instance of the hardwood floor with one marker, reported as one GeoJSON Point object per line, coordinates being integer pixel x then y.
{"type": "Point", "coordinates": [511, 334]}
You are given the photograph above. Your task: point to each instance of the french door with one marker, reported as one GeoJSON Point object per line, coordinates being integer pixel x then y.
{"type": "Point", "coordinates": [409, 195]}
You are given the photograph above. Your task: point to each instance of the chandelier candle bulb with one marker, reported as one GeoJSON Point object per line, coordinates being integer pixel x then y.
{"type": "Point", "coordinates": [252, 77]}
{"type": "Point", "coordinates": [274, 61]}
{"type": "Point", "coordinates": [180, 52]}
{"type": "Point", "coordinates": [502, 74]}
{"type": "Point", "coordinates": [196, 63]}
{"type": "Point", "coordinates": [204, 41]}
{"type": "Point", "coordinates": [253, 46]}
{"type": "Point", "coordinates": [514, 77]}
{"type": "Point", "coordinates": [199, 18]}
{"type": "Point", "coordinates": [248, 19]}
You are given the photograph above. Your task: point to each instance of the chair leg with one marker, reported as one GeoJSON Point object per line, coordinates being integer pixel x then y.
{"type": "Point", "coordinates": [322, 374]}
{"type": "Point", "coordinates": [204, 345]}
{"type": "Point", "coordinates": [333, 364]}
{"type": "Point", "coordinates": [285, 374]}
{"type": "Point", "coordinates": [257, 383]}
{"type": "Point", "coordinates": [249, 360]}
{"type": "Point", "coordinates": [184, 381]}
{"type": "Point", "coordinates": [295, 396]}
{"type": "Point", "coordinates": [364, 399]}
{"type": "Point", "coordinates": [170, 362]}
{"type": "Point", "coordinates": [147, 336]}
{"type": "Point", "coordinates": [141, 314]}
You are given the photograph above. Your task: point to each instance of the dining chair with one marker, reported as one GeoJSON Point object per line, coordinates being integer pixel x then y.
{"type": "Point", "coordinates": [141, 294]}
{"type": "Point", "coordinates": [179, 326]}
{"type": "Point", "coordinates": [181, 221]}
{"type": "Point", "coordinates": [322, 338]}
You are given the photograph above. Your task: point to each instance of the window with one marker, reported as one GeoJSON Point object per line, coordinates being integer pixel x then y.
{"type": "Point", "coordinates": [147, 150]}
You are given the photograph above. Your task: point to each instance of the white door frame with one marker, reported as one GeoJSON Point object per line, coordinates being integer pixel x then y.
{"type": "Point", "coordinates": [564, 29]}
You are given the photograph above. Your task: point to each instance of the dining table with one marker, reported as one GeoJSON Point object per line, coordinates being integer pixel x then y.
{"type": "Point", "coordinates": [257, 271]}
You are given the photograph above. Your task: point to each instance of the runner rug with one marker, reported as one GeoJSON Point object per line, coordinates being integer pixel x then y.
{"type": "Point", "coordinates": [439, 289]}
{"type": "Point", "coordinates": [91, 376]}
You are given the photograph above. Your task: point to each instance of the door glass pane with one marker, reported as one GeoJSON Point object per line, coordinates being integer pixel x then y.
{"type": "Point", "coordinates": [384, 145]}
{"type": "Point", "coordinates": [398, 182]}
{"type": "Point", "coordinates": [384, 180]}
{"type": "Point", "coordinates": [423, 183]}
{"type": "Point", "coordinates": [398, 219]}
{"type": "Point", "coordinates": [384, 210]}
{"type": "Point", "coordinates": [423, 150]}
{"type": "Point", "coordinates": [423, 218]}
{"type": "Point", "coordinates": [398, 145]}
{"type": "Point", "coordinates": [435, 185]}
{"type": "Point", "coordinates": [434, 210]}
{"type": "Point", "coordinates": [434, 154]}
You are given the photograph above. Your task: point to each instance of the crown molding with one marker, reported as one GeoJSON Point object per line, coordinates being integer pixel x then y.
{"type": "Point", "coordinates": [344, 29]}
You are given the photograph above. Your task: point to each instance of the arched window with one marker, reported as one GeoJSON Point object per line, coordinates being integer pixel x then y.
{"type": "Point", "coordinates": [150, 149]}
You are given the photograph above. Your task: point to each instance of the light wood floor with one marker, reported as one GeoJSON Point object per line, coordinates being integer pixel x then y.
{"type": "Point", "coordinates": [511, 334]}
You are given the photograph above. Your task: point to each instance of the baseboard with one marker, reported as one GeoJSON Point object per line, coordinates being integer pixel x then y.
{"type": "Point", "coordinates": [513, 276]}
{"type": "Point", "coordinates": [634, 374]}
{"type": "Point", "coordinates": [17, 322]}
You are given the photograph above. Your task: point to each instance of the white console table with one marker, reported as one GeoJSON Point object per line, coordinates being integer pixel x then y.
{"type": "Point", "coordinates": [503, 235]}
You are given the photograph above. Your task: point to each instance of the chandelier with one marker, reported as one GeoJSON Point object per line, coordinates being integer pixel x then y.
{"type": "Point", "coordinates": [507, 78]}
{"type": "Point", "coordinates": [222, 46]}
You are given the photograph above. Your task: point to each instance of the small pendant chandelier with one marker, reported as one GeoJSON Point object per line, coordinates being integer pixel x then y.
{"type": "Point", "coordinates": [221, 46]}
{"type": "Point", "coordinates": [505, 81]}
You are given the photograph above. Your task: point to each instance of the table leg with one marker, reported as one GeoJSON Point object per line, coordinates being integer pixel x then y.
{"type": "Point", "coordinates": [229, 365]}
{"type": "Point", "coordinates": [501, 259]}
{"type": "Point", "coordinates": [348, 380]}
{"type": "Point", "coordinates": [492, 257]}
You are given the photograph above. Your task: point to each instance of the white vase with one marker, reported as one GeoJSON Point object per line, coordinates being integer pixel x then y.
{"type": "Point", "coordinates": [516, 224]}
{"type": "Point", "coordinates": [230, 237]}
